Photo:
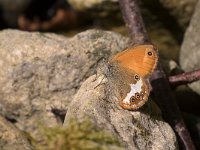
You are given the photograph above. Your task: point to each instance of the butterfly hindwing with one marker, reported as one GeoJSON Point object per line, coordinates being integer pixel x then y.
{"type": "Point", "coordinates": [130, 88]}
{"type": "Point", "coordinates": [137, 95]}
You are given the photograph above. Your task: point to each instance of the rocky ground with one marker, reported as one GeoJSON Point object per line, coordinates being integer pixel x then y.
{"type": "Point", "coordinates": [44, 71]}
{"type": "Point", "coordinates": [44, 74]}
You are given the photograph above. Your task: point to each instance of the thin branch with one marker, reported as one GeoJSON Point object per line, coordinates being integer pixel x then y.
{"type": "Point", "coordinates": [159, 81]}
{"type": "Point", "coordinates": [134, 22]}
{"type": "Point", "coordinates": [184, 78]}
{"type": "Point", "coordinates": [170, 110]}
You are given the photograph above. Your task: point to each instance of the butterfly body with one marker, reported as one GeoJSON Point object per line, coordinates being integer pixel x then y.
{"type": "Point", "coordinates": [128, 75]}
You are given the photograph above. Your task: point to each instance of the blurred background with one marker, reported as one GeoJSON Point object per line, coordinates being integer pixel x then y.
{"type": "Point", "coordinates": [166, 20]}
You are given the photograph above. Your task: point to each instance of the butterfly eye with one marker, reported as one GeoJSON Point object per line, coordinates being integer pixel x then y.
{"type": "Point", "coordinates": [137, 78]}
{"type": "Point", "coordinates": [132, 99]}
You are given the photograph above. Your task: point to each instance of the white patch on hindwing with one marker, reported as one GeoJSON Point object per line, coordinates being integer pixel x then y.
{"type": "Point", "coordinates": [135, 88]}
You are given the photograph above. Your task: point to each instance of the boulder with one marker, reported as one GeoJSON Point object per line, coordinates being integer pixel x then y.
{"type": "Point", "coordinates": [43, 71]}
{"type": "Point", "coordinates": [11, 137]}
{"type": "Point", "coordinates": [40, 72]}
{"type": "Point", "coordinates": [190, 49]}
{"type": "Point", "coordinates": [141, 129]}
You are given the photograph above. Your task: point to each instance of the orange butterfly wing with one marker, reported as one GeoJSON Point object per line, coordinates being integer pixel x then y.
{"type": "Point", "coordinates": [141, 59]}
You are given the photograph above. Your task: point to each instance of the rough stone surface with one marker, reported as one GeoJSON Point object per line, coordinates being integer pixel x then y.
{"type": "Point", "coordinates": [43, 71]}
{"type": "Point", "coordinates": [11, 138]}
{"type": "Point", "coordinates": [190, 50]}
{"type": "Point", "coordinates": [142, 129]}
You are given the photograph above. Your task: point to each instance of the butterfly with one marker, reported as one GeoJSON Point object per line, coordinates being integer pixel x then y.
{"type": "Point", "coordinates": [128, 75]}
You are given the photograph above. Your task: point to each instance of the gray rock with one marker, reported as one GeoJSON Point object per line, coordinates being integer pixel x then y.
{"type": "Point", "coordinates": [43, 71]}
{"type": "Point", "coordinates": [142, 129]}
{"type": "Point", "coordinates": [190, 49]}
{"type": "Point", "coordinates": [11, 137]}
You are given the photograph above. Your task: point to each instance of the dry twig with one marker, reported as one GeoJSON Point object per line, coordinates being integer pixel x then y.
{"type": "Point", "coordinates": [184, 78]}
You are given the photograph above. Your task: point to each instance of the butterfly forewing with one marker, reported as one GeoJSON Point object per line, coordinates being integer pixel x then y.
{"type": "Point", "coordinates": [142, 59]}
{"type": "Point", "coordinates": [130, 88]}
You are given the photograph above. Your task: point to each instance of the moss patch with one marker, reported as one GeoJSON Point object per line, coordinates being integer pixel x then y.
{"type": "Point", "coordinates": [77, 136]}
